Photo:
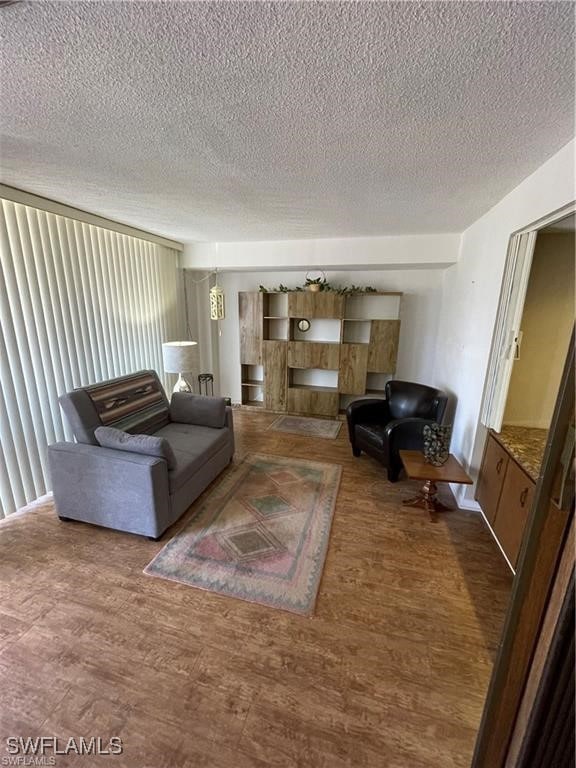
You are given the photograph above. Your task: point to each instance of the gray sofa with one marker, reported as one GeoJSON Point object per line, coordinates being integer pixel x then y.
{"type": "Point", "coordinates": [131, 491]}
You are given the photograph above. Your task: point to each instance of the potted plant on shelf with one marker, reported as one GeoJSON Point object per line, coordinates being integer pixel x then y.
{"type": "Point", "coordinates": [317, 283]}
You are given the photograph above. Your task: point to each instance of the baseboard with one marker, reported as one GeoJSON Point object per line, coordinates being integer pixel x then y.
{"type": "Point", "coordinates": [528, 424]}
{"type": "Point", "coordinates": [505, 556]}
{"type": "Point", "coordinates": [469, 505]}
{"type": "Point", "coordinates": [458, 491]}
{"type": "Point", "coordinates": [47, 497]}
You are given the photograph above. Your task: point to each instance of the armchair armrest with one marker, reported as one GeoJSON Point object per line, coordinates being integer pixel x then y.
{"type": "Point", "coordinates": [407, 433]}
{"type": "Point", "coordinates": [117, 489]}
{"type": "Point", "coordinates": [367, 411]}
{"type": "Point", "coordinates": [187, 408]}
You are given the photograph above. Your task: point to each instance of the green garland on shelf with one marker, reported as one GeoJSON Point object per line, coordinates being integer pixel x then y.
{"type": "Point", "coordinates": [324, 286]}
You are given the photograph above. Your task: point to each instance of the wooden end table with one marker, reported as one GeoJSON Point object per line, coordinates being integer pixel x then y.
{"type": "Point", "coordinates": [417, 468]}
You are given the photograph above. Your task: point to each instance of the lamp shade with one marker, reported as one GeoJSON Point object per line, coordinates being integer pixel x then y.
{"type": "Point", "coordinates": [179, 356]}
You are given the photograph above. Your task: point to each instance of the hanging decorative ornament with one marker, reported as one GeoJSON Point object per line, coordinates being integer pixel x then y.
{"type": "Point", "coordinates": [216, 301]}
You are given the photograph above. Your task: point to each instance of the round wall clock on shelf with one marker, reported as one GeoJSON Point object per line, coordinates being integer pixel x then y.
{"type": "Point", "coordinates": [303, 325]}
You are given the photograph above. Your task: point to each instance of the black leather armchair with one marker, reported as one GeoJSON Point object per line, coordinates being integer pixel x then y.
{"type": "Point", "coordinates": [383, 427]}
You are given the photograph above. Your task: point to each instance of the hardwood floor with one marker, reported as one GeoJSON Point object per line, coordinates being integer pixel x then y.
{"type": "Point", "coordinates": [391, 672]}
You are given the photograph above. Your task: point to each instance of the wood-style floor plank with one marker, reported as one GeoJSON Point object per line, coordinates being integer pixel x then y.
{"type": "Point", "coordinates": [390, 672]}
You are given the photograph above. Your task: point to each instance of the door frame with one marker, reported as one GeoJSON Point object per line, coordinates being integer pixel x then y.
{"type": "Point", "coordinates": [546, 534]}
{"type": "Point", "coordinates": [509, 315]}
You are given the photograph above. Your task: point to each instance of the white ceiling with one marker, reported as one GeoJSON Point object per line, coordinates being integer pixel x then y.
{"type": "Point", "coordinates": [257, 121]}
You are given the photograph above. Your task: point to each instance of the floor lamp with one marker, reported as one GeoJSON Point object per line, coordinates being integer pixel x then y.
{"type": "Point", "coordinates": [180, 357]}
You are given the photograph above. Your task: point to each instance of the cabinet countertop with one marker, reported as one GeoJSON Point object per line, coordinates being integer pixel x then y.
{"type": "Point", "coordinates": [525, 444]}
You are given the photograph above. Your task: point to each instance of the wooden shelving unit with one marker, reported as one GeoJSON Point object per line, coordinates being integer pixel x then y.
{"type": "Point", "coordinates": [345, 343]}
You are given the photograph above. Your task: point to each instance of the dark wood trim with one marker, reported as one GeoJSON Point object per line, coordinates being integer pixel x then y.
{"type": "Point", "coordinates": [561, 586]}
{"type": "Point", "coordinates": [538, 559]}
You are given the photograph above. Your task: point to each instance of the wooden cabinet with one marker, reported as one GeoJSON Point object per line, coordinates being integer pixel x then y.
{"type": "Point", "coordinates": [313, 354]}
{"type": "Point", "coordinates": [315, 305]}
{"type": "Point", "coordinates": [344, 353]}
{"type": "Point", "coordinates": [275, 383]}
{"type": "Point", "coordinates": [491, 478]}
{"type": "Point", "coordinates": [513, 508]}
{"type": "Point", "coordinates": [505, 493]}
{"type": "Point", "coordinates": [352, 374]}
{"type": "Point", "coordinates": [251, 321]}
{"type": "Point", "coordinates": [313, 401]}
{"type": "Point", "coordinates": [383, 347]}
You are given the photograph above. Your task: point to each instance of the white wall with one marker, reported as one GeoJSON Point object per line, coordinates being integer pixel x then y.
{"type": "Point", "coordinates": [471, 293]}
{"type": "Point", "coordinates": [547, 322]}
{"type": "Point", "coordinates": [419, 316]}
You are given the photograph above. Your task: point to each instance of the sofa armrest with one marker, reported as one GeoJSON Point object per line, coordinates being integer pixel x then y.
{"type": "Point", "coordinates": [230, 425]}
{"type": "Point", "coordinates": [117, 489]}
{"type": "Point", "coordinates": [186, 408]}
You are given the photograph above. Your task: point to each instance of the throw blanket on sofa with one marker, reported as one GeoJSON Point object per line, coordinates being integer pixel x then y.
{"type": "Point", "coordinates": [130, 402]}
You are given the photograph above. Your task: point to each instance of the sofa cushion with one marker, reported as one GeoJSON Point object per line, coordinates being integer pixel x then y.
{"type": "Point", "coordinates": [149, 445]}
{"type": "Point", "coordinates": [193, 446]}
{"type": "Point", "coordinates": [204, 411]}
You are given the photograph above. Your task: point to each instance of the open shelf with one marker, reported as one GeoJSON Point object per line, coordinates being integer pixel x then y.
{"type": "Point", "coordinates": [275, 305]}
{"type": "Point", "coordinates": [323, 331]}
{"type": "Point", "coordinates": [356, 331]}
{"type": "Point", "coordinates": [275, 329]}
{"type": "Point", "coordinates": [252, 383]}
{"type": "Point", "coordinates": [313, 388]}
{"type": "Point", "coordinates": [367, 306]}
{"type": "Point", "coordinates": [315, 379]}
{"type": "Point", "coordinates": [376, 384]}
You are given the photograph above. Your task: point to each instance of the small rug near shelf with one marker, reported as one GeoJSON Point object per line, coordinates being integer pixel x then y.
{"type": "Point", "coordinates": [301, 425]}
{"type": "Point", "coordinates": [261, 535]}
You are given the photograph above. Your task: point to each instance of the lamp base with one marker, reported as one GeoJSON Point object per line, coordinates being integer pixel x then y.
{"type": "Point", "coordinates": [181, 385]}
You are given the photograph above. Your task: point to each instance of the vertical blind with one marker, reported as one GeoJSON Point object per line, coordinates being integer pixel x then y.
{"type": "Point", "coordinates": [78, 304]}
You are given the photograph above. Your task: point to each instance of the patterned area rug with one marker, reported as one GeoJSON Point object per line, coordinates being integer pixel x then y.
{"type": "Point", "coordinates": [260, 536]}
{"type": "Point", "coordinates": [301, 425]}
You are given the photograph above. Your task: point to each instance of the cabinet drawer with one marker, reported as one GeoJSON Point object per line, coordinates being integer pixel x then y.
{"type": "Point", "coordinates": [309, 401]}
{"type": "Point", "coordinates": [312, 354]}
{"type": "Point", "coordinates": [513, 509]}
{"type": "Point", "coordinates": [491, 478]}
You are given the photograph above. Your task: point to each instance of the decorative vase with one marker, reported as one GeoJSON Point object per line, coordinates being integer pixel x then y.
{"type": "Point", "coordinates": [314, 287]}
{"type": "Point", "coordinates": [437, 443]}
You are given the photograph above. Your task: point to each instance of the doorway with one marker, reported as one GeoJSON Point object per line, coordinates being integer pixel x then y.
{"type": "Point", "coordinates": [530, 397]}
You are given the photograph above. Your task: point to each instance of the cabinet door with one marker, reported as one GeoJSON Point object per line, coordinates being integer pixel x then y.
{"type": "Point", "coordinates": [383, 348]}
{"type": "Point", "coordinates": [313, 354]}
{"type": "Point", "coordinates": [250, 316]}
{"type": "Point", "coordinates": [352, 375]}
{"type": "Point", "coordinates": [274, 361]}
{"type": "Point", "coordinates": [513, 508]}
{"type": "Point", "coordinates": [491, 478]}
{"type": "Point", "coordinates": [312, 402]}
{"type": "Point", "coordinates": [309, 305]}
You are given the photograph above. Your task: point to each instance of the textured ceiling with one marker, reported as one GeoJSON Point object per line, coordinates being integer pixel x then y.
{"type": "Point", "coordinates": [257, 121]}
